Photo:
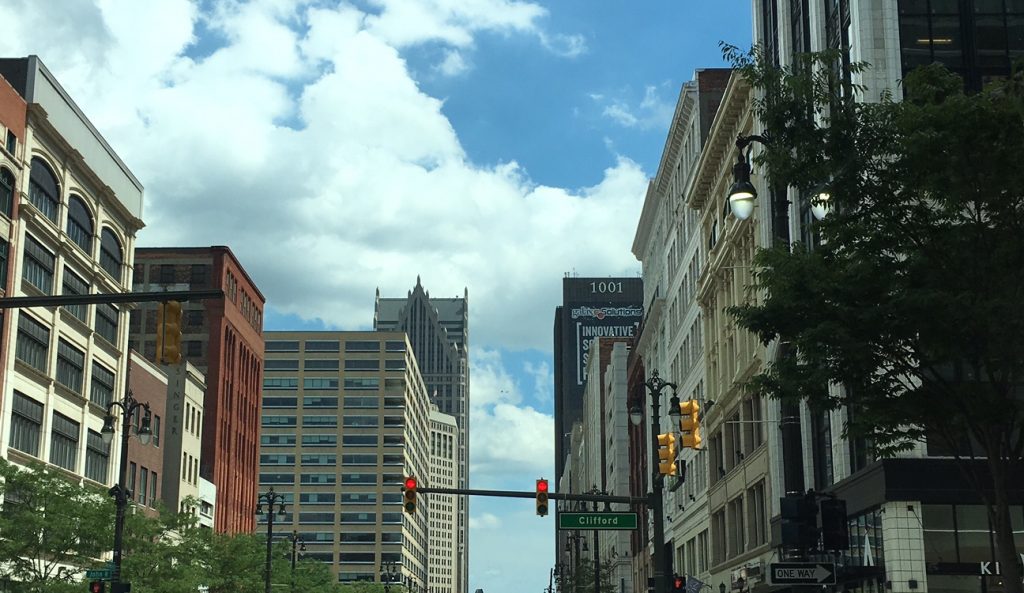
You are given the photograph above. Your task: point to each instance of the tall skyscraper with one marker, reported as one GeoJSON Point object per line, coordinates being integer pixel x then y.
{"type": "Point", "coordinates": [345, 419]}
{"type": "Point", "coordinates": [438, 330]}
{"type": "Point", "coordinates": [591, 308]}
{"type": "Point", "coordinates": [223, 339]}
{"type": "Point", "coordinates": [444, 473]}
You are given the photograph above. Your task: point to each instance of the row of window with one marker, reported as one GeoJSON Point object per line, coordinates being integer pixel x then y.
{"type": "Point", "coordinates": [33, 349]}
{"type": "Point", "coordinates": [349, 537]}
{"type": "Point", "coordinates": [325, 421]}
{"type": "Point", "coordinates": [333, 364]}
{"type": "Point", "coordinates": [328, 383]}
{"type": "Point", "coordinates": [333, 346]}
{"type": "Point", "coordinates": [329, 459]}
{"type": "Point", "coordinates": [331, 402]}
{"type": "Point", "coordinates": [44, 194]}
{"type": "Point", "coordinates": [342, 518]}
{"type": "Point", "coordinates": [331, 478]}
{"type": "Point", "coordinates": [146, 495]}
{"type": "Point", "coordinates": [26, 436]}
{"type": "Point", "coordinates": [331, 440]}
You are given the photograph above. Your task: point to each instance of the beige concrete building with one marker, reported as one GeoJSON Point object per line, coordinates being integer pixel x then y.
{"type": "Point", "coordinates": [186, 387]}
{"type": "Point", "coordinates": [344, 420]}
{"type": "Point", "coordinates": [443, 518]}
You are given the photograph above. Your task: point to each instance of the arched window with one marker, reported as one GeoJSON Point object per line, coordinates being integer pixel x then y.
{"type": "Point", "coordinates": [110, 253]}
{"type": "Point", "coordinates": [42, 189]}
{"type": "Point", "coordinates": [6, 192]}
{"type": "Point", "coordinates": [80, 224]}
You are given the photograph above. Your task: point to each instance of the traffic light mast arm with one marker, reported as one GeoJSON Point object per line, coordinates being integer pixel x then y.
{"type": "Point", "coordinates": [110, 298]}
{"type": "Point", "coordinates": [533, 494]}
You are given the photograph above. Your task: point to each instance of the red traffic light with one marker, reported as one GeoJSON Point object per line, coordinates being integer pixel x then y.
{"type": "Point", "coordinates": [96, 587]}
{"type": "Point", "coordinates": [410, 483]}
{"type": "Point", "coordinates": [679, 583]}
{"type": "Point", "coordinates": [542, 485]}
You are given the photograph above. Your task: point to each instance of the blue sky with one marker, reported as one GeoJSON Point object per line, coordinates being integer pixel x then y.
{"type": "Point", "coordinates": [338, 147]}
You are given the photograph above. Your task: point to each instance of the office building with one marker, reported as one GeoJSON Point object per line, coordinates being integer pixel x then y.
{"type": "Point", "coordinates": [345, 419]}
{"type": "Point", "coordinates": [183, 433]}
{"type": "Point", "coordinates": [438, 329]}
{"type": "Point", "coordinates": [443, 517]}
{"type": "Point", "coordinates": [69, 212]}
{"type": "Point", "coordinates": [223, 340]}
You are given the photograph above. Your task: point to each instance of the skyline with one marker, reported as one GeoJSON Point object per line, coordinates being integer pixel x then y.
{"type": "Point", "coordinates": [338, 147]}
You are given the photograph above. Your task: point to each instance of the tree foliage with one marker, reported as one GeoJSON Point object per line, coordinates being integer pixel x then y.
{"type": "Point", "coordinates": [581, 578]}
{"type": "Point", "coordinates": [909, 305]}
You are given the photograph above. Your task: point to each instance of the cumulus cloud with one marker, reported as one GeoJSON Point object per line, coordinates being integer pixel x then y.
{"type": "Point", "coordinates": [320, 161]}
{"type": "Point", "coordinates": [652, 111]}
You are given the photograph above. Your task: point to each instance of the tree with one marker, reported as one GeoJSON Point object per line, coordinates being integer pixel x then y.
{"type": "Point", "coordinates": [49, 522]}
{"type": "Point", "coordinates": [581, 578]}
{"type": "Point", "coordinates": [907, 312]}
{"type": "Point", "coordinates": [168, 553]}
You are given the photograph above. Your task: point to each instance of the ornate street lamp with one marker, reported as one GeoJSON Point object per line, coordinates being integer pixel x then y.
{"type": "Point", "coordinates": [128, 407]}
{"type": "Point", "coordinates": [275, 506]}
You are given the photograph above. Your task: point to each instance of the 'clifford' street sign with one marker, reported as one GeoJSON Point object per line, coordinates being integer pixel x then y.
{"type": "Point", "coordinates": [597, 521]}
{"type": "Point", "coordinates": [802, 573]}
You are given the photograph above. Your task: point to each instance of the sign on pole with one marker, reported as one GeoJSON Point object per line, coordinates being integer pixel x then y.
{"type": "Point", "coordinates": [103, 574]}
{"type": "Point", "coordinates": [601, 521]}
{"type": "Point", "coordinates": [802, 573]}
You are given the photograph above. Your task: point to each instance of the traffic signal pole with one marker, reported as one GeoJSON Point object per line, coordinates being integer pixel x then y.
{"type": "Point", "coordinates": [110, 298]}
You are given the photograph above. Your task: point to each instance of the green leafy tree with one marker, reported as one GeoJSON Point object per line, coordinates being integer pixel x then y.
{"type": "Point", "coordinates": [168, 553]}
{"type": "Point", "coordinates": [368, 587]}
{"type": "Point", "coordinates": [907, 312]}
{"type": "Point", "coordinates": [49, 522]}
{"type": "Point", "coordinates": [236, 564]}
{"type": "Point", "coordinates": [581, 578]}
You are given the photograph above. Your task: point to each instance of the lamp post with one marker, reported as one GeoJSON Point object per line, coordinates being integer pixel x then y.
{"type": "Point", "coordinates": [742, 193]}
{"type": "Point", "coordinates": [389, 573]}
{"type": "Point", "coordinates": [128, 406]}
{"type": "Point", "coordinates": [298, 547]}
{"type": "Point", "coordinates": [655, 385]}
{"type": "Point", "coordinates": [271, 499]}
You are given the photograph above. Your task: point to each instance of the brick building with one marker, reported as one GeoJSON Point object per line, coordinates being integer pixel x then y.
{"type": "Point", "coordinates": [146, 461]}
{"type": "Point", "coordinates": [223, 339]}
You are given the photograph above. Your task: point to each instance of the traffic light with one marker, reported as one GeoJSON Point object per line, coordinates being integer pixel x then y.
{"type": "Point", "coordinates": [97, 586]}
{"type": "Point", "coordinates": [542, 497]}
{"type": "Point", "coordinates": [678, 583]}
{"type": "Point", "coordinates": [835, 527]}
{"type": "Point", "coordinates": [409, 497]}
{"type": "Point", "coordinates": [168, 332]}
{"type": "Point", "coordinates": [689, 424]}
{"type": "Point", "coordinates": [799, 526]}
{"type": "Point", "coordinates": [667, 454]}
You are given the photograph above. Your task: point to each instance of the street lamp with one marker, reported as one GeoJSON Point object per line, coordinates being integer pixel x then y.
{"type": "Point", "coordinates": [655, 385]}
{"type": "Point", "coordinates": [389, 573]}
{"type": "Point", "coordinates": [128, 406]}
{"type": "Point", "coordinates": [298, 548]}
{"type": "Point", "coordinates": [742, 193]}
{"type": "Point", "coordinates": [275, 506]}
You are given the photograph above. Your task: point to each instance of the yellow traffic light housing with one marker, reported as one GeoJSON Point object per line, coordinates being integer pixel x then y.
{"type": "Point", "coordinates": [168, 332]}
{"type": "Point", "coordinates": [667, 454]}
{"type": "Point", "coordinates": [689, 424]}
{"type": "Point", "coordinates": [409, 495]}
{"type": "Point", "coordinates": [542, 497]}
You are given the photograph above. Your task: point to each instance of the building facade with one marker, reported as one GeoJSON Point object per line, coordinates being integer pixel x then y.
{"type": "Point", "coordinates": [345, 419]}
{"type": "Point", "coordinates": [438, 329]}
{"type": "Point", "coordinates": [443, 518]}
{"type": "Point", "coordinates": [223, 339]}
{"type": "Point", "coordinates": [69, 212]}
{"type": "Point", "coordinates": [146, 476]}
{"type": "Point", "coordinates": [183, 433]}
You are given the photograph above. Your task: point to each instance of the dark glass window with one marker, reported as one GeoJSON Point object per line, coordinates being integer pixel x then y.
{"type": "Point", "coordinates": [281, 346]}
{"type": "Point", "coordinates": [362, 365]}
{"type": "Point", "coordinates": [322, 345]}
{"type": "Point", "coordinates": [359, 440]}
{"type": "Point", "coordinates": [317, 478]}
{"type": "Point", "coordinates": [277, 459]}
{"type": "Point", "coordinates": [319, 402]}
{"type": "Point", "coordinates": [80, 227]}
{"type": "Point", "coordinates": [277, 478]}
{"type": "Point", "coordinates": [271, 421]}
{"type": "Point", "coordinates": [107, 316]}
{"type": "Point", "coordinates": [280, 364]}
{"type": "Point", "coordinates": [319, 420]}
{"type": "Point", "coordinates": [111, 255]}
{"type": "Point", "coordinates": [64, 442]}
{"type": "Point", "coordinates": [391, 346]}
{"type": "Point", "coordinates": [321, 364]}
{"type": "Point", "coordinates": [33, 343]}
{"type": "Point", "coordinates": [200, 275]}
{"type": "Point", "coordinates": [38, 265]}
{"type": "Point", "coordinates": [315, 518]}
{"type": "Point", "coordinates": [321, 459]}
{"type": "Point", "coordinates": [6, 192]}
{"type": "Point", "coordinates": [280, 402]}
{"type": "Point", "coordinates": [357, 538]}
{"type": "Point", "coordinates": [362, 402]}
{"type": "Point", "coordinates": [277, 440]}
{"type": "Point", "coordinates": [4, 254]}
{"type": "Point", "coordinates": [397, 364]}
{"type": "Point", "coordinates": [12, 142]}
{"type": "Point", "coordinates": [362, 346]}
{"type": "Point", "coordinates": [70, 366]}
{"type": "Point", "coordinates": [72, 283]}
{"type": "Point", "coordinates": [43, 192]}
{"type": "Point", "coordinates": [97, 457]}
{"type": "Point", "coordinates": [26, 424]}
{"type": "Point", "coordinates": [365, 383]}
{"type": "Point", "coordinates": [101, 389]}
{"type": "Point", "coordinates": [361, 421]}
{"type": "Point", "coordinates": [319, 440]}
{"type": "Point", "coordinates": [286, 383]}
{"type": "Point", "coordinates": [167, 273]}
{"type": "Point", "coordinates": [323, 383]}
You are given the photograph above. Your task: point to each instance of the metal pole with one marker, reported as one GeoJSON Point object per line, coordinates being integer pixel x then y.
{"type": "Point", "coordinates": [295, 541]}
{"type": "Point", "coordinates": [597, 560]}
{"type": "Point", "coordinates": [658, 535]}
{"type": "Point", "coordinates": [121, 493]}
{"type": "Point", "coordinates": [270, 541]}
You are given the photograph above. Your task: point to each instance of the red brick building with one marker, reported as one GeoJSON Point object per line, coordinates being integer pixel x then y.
{"type": "Point", "coordinates": [224, 339]}
{"type": "Point", "coordinates": [13, 112]}
{"type": "Point", "coordinates": [146, 462]}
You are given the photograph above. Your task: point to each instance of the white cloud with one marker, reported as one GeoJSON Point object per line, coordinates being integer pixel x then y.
{"type": "Point", "coordinates": [543, 380]}
{"type": "Point", "coordinates": [567, 46]}
{"type": "Point", "coordinates": [453, 64]}
{"type": "Point", "coordinates": [484, 521]}
{"type": "Point", "coordinates": [653, 111]}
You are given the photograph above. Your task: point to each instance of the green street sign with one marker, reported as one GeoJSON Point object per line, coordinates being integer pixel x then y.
{"type": "Point", "coordinates": [104, 574]}
{"type": "Point", "coordinates": [602, 521]}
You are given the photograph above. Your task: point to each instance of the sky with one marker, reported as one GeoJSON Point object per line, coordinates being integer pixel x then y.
{"type": "Point", "coordinates": [338, 147]}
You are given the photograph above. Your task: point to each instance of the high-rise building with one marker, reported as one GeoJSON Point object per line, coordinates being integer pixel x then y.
{"type": "Point", "coordinates": [591, 308]}
{"type": "Point", "coordinates": [438, 329]}
{"type": "Point", "coordinates": [345, 419]}
{"type": "Point", "coordinates": [69, 212]}
{"type": "Point", "coordinates": [443, 517]}
{"type": "Point", "coordinates": [223, 339]}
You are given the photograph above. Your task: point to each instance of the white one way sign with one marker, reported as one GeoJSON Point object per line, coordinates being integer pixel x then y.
{"type": "Point", "coordinates": [802, 573]}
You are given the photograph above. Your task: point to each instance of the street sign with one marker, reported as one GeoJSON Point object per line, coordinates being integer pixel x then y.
{"type": "Point", "coordinates": [802, 573]}
{"type": "Point", "coordinates": [103, 574]}
{"type": "Point", "coordinates": [602, 521]}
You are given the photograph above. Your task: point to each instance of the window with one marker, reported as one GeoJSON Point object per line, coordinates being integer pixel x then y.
{"type": "Point", "coordinates": [281, 364]}
{"type": "Point", "coordinates": [319, 459]}
{"type": "Point", "coordinates": [38, 265]}
{"type": "Point", "coordinates": [756, 515]}
{"type": "Point", "coordinates": [277, 459]}
{"type": "Point", "coordinates": [319, 402]}
{"type": "Point", "coordinates": [152, 489]}
{"type": "Point", "coordinates": [42, 189]}
{"type": "Point", "coordinates": [357, 538]}
{"type": "Point", "coordinates": [193, 348]}
{"type": "Point", "coordinates": [319, 440]}
{"type": "Point", "coordinates": [156, 431]}
{"type": "Point", "coordinates": [131, 476]}
{"type": "Point", "coordinates": [320, 383]}
{"type": "Point", "coordinates": [308, 518]}
{"type": "Point", "coordinates": [6, 191]}
{"type": "Point", "coordinates": [80, 227]}
{"type": "Point", "coordinates": [64, 442]}
{"type": "Point", "coordinates": [143, 485]}
{"type": "Point", "coordinates": [361, 402]}
{"type": "Point", "coordinates": [316, 498]}
{"type": "Point", "coordinates": [368, 383]}
{"type": "Point", "coordinates": [319, 420]}
{"type": "Point", "coordinates": [97, 457]}
{"type": "Point", "coordinates": [4, 255]}
{"type": "Point", "coordinates": [277, 478]}
{"type": "Point", "coordinates": [362, 365]}
{"type": "Point", "coordinates": [359, 440]}
{"type": "Point", "coordinates": [280, 402]}
{"type": "Point", "coordinates": [358, 346]}
{"type": "Point", "coordinates": [26, 424]}
{"type": "Point", "coordinates": [364, 498]}
{"type": "Point", "coordinates": [110, 253]}
{"type": "Point", "coordinates": [278, 440]}
{"type": "Point", "coordinates": [319, 478]}
{"type": "Point", "coordinates": [194, 318]}
{"type": "Point", "coordinates": [33, 343]}
{"type": "Point", "coordinates": [360, 421]}
{"type": "Point", "coordinates": [12, 142]}
{"type": "Point", "coordinates": [281, 346]}
{"type": "Point", "coordinates": [72, 283]}
{"type": "Point", "coordinates": [322, 345]}
{"type": "Point", "coordinates": [200, 274]}
{"type": "Point", "coordinates": [397, 364]}
{"type": "Point", "coordinates": [101, 389]}
{"type": "Point", "coordinates": [357, 518]}
{"type": "Point", "coordinates": [70, 366]}
{"type": "Point", "coordinates": [314, 364]}
{"type": "Point", "coordinates": [357, 557]}
{"type": "Point", "coordinates": [359, 478]}
{"type": "Point", "coordinates": [398, 346]}
{"type": "Point", "coordinates": [107, 316]}
{"type": "Point", "coordinates": [359, 459]}
{"type": "Point", "coordinates": [272, 421]}
{"type": "Point", "coordinates": [289, 383]}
